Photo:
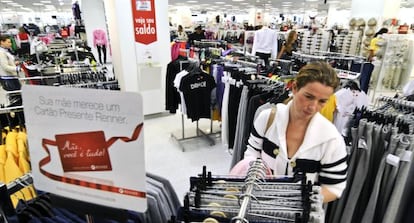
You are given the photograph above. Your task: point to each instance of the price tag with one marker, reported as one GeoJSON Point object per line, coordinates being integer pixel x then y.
{"type": "Point", "coordinates": [393, 160]}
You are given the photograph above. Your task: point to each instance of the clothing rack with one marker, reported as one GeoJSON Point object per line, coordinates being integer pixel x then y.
{"type": "Point", "coordinates": [380, 174]}
{"type": "Point", "coordinates": [241, 62]}
{"type": "Point", "coordinates": [6, 206]}
{"type": "Point", "coordinates": [256, 172]}
{"type": "Point", "coordinates": [199, 132]}
{"type": "Point", "coordinates": [11, 109]}
{"type": "Point", "coordinates": [309, 57]}
{"type": "Point", "coordinates": [256, 198]}
{"type": "Point", "coordinates": [346, 74]}
{"type": "Point", "coordinates": [209, 43]}
{"type": "Point", "coordinates": [396, 101]}
{"type": "Point", "coordinates": [339, 56]}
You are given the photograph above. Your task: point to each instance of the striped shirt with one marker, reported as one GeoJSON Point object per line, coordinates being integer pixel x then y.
{"type": "Point", "coordinates": [322, 154]}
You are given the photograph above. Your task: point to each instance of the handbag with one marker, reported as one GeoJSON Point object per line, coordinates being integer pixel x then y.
{"type": "Point", "coordinates": [10, 83]}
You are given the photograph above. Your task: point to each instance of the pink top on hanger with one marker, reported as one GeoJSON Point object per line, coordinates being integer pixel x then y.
{"type": "Point", "coordinates": [99, 38]}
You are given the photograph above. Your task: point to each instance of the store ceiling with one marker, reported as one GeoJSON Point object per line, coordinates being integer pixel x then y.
{"type": "Point", "coordinates": [271, 6]}
{"type": "Point", "coordinates": [36, 5]}
{"type": "Point", "coordinates": [198, 6]}
{"type": "Point", "coordinates": [229, 6]}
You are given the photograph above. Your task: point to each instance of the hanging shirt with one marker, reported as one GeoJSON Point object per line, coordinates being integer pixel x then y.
{"type": "Point", "coordinates": [99, 38]}
{"type": "Point", "coordinates": [265, 41]}
{"type": "Point", "coordinates": [347, 100]}
{"type": "Point", "coordinates": [329, 108]}
{"type": "Point", "coordinates": [196, 87]}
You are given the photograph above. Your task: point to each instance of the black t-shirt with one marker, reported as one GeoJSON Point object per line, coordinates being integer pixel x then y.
{"type": "Point", "coordinates": [196, 87]}
{"type": "Point", "coordinates": [287, 55]}
{"type": "Point", "coordinates": [196, 36]}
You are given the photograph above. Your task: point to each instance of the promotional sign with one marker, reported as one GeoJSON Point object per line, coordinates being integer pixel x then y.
{"type": "Point", "coordinates": [145, 26]}
{"type": "Point", "coordinates": [87, 144]}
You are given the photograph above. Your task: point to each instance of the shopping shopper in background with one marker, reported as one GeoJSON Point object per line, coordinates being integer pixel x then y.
{"type": "Point", "coordinates": [197, 35]}
{"type": "Point", "coordinates": [373, 47]}
{"type": "Point", "coordinates": [24, 42]}
{"type": "Point", "coordinates": [8, 64]}
{"type": "Point", "coordinates": [297, 138]}
{"type": "Point", "coordinates": [8, 67]}
{"type": "Point", "coordinates": [288, 46]}
{"type": "Point", "coordinates": [181, 34]}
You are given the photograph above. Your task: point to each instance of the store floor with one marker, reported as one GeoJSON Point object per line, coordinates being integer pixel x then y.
{"type": "Point", "coordinates": [165, 156]}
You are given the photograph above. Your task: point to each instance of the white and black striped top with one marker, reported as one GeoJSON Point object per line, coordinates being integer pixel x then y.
{"type": "Point", "coordinates": [322, 155]}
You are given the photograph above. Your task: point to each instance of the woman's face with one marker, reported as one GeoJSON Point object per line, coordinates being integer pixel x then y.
{"type": "Point", "coordinates": [310, 99]}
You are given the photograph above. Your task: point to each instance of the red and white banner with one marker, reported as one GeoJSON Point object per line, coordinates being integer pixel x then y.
{"type": "Point", "coordinates": [145, 26]}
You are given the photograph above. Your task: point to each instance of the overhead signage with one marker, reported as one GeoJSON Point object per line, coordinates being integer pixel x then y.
{"type": "Point", "coordinates": [145, 26]}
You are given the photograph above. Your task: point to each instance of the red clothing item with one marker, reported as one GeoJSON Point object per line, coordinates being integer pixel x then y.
{"type": "Point", "coordinates": [64, 33]}
{"type": "Point", "coordinates": [23, 37]}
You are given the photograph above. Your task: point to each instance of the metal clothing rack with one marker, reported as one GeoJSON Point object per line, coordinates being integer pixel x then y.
{"type": "Point", "coordinates": [256, 172]}
{"type": "Point", "coordinates": [80, 207]}
{"type": "Point", "coordinates": [256, 197]}
{"type": "Point", "coordinates": [396, 101]}
{"type": "Point", "coordinates": [199, 132]}
{"type": "Point", "coordinates": [6, 205]}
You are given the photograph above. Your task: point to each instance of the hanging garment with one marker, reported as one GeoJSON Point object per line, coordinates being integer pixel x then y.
{"type": "Point", "coordinates": [265, 42]}
{"type": "Point", "coordinates": [224, 111]}
{"type": "Point", "coordinates": [172, 97]}
{"type": "Point", "coordinates": [196, 88]}
{"type": "Point", "coordinates": [100, 42]}
{"type": "Point", "coordinates": [329, 108]}
{"type": "Point", "coordinates": [3, 157]}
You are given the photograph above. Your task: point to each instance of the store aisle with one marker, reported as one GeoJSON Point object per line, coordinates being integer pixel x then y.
{"type": "Point", "coordinates": [165, 157]}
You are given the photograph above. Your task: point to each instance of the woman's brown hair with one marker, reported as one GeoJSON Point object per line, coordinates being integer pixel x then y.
{"type": "Point", "coordinates": [317, 71]}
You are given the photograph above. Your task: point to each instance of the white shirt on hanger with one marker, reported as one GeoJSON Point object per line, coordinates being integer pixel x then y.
{"type": "Point", "coordinates": [265, 41]}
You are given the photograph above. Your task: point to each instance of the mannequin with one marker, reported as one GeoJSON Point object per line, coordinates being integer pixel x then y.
{"type": "Point", "coordinates": [100, 42]}
{"type": "Point", "coordinates": [265, 44]}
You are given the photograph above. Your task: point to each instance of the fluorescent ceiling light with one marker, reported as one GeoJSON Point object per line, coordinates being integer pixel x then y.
{"type": "Point", "coordinates": [192, 1]}
{"type": "Point", "coordinates": [220, 3]}
{"type": "Point", "coordinates": [47, 2]}
{"type": "Point", "coordinates": [238, 0]}
{"type": "Point", "coordinates": [35, 3]}
{"type": "Point", "coordinates": [6, 1]}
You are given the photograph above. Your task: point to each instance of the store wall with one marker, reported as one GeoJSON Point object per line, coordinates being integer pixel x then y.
{"type": "Point", "coordinates": [119, 17]}
{"type": "Point", "coordinates": [131, 59]}
{"type": "Point", "coordinates": [93, 15]}
{"type": "Point", "coordinates": [379, 9]}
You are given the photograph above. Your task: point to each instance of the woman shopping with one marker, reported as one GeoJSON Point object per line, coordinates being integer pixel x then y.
{"type": "Point", "coordinates": [297, 138]}
{"type": "Point", "coordinates": [289, 46]}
